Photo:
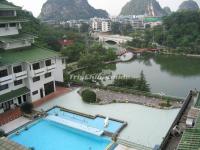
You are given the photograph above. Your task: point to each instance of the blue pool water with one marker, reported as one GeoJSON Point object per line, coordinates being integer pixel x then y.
{"type": "Point", "coordinates": [96, 123]}
{"type": "Point", "coordinates": [47, 135]}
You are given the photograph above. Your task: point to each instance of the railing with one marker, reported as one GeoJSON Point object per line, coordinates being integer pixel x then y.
{"type": "Point", "coordinates": [176, 121]}
{"type": "Point", "coordinates": [51, 68]}
{"type": "Point", "coordinates": [21, 75]}
{"type": "Point", "coordinates": [6, 80]}
{"type": "Point", "coordinates": [133, 145]}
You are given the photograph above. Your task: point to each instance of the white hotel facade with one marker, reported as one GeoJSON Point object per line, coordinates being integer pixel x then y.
{"type": "Point", "coordinates": [27, 72]}
{"type": "Point", "coordinates": [101, 25]}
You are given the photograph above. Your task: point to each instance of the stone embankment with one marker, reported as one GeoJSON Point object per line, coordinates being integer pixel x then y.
{"type": "Point", "coordinates": [108, 97]}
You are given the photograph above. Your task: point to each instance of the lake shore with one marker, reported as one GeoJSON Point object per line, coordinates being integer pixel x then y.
{"type": "Point", "coordinates": [108, 97]}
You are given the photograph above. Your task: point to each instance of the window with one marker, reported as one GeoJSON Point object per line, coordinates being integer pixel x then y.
{"type": "Point", "coordinates": [2, 25]}
{"type": "Point", "coordinates": [13, 24]}
{"type": "Point", "coordinates": [48, 62]}
{"type": "Point", "coordinates": [36, 66]}
{"type": "Point", "coordinates": [35, 92]}
{"type": "Point", "coordinates": [18, 82]}
{"type": "Point", "coordinates": [47, 75]}
{"type": "Point", "coordinates": [6, 13]}
{"type": "Point", "coordinates": [19, 100]}
{"type": "Point", "coordinates": [24, 98]}
{"type": "Point", "coordinates": [63, 61]}
{"type": "Point", "coordinates": [3, 87]}
{"type": "Point", "coordinates": [17, 69]}
{"type": "Point", "coordinates": [35, 79]}
{"type": "Point", "coordinates": [3, 73]}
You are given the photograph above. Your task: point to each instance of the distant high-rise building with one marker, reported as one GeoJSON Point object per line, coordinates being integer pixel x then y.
{"type": "Point", "coordinates": [101, 25]}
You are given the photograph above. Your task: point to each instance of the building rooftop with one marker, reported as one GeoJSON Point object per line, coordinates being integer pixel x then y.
{"type": "Point", "coordinates": [190, 140]}
{"type": "Point", "coordinates": [197, 105]}
{"type": "Point", "coordinates": [8, 6]}
{"type": "Point", "coordinates": [193, 113]}
{"type": "Point", "coordinates": [14, 38]}
{"type": "Point", "coordinates": [197, 124]}
{"type": "Point", "coordinates": [13, 94]}
{"type": "Point", "coordinates": [28, 54]}
{"type": "Point", "coordinates": [152, 19]}
{"type": "Point", "coordinates": [6, 144]}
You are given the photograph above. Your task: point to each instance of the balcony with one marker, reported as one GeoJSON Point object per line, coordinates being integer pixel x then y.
{"type": "Point", "coordinates": [51, 68]}
{"type": "Point", "coordinates": [21, 75]}
{"type": "Point", "coordinates": [6, 80]}
{"type": "Point", "coordinates": [39, 72]}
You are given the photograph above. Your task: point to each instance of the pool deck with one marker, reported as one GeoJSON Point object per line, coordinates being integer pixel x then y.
{"type": "Point", "coordinates": [122, 147]}
{"type": "Point", "coordinates": [14, 124]}
{"type": "Point", "coordinates": [59, 92]}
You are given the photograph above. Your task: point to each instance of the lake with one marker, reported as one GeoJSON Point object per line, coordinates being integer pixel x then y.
{"type": "Point", "coordinates": [172, 75]}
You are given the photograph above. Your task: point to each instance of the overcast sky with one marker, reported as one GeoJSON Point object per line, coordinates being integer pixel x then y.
{"type": "Point", "coordinates": [112, 6]}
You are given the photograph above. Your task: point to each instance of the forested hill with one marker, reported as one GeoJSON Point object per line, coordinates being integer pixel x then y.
{"type": "Point", "coordinates": [189, 5]}
{"type": "Point", "coordinates": [180, 30]}
{"type": "Point", "coordinates": [62, 10]}
{"type": "Point", "coordinates": [140, 7]}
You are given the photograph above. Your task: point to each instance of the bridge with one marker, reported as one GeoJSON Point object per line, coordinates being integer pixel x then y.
{"type": "Point", "coordinates": [118, 39]}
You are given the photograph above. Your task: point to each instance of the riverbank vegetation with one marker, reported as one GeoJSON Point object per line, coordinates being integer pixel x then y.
{"type": "Point", "coordinates": [139, 84]}
{"type": "Point", "coordinates": [179, 33]}
{"type": "Point", "coordinates": [89, 96]}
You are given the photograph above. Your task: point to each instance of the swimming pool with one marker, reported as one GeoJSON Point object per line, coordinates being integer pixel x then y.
{"type": "Point", "coordinates": [98, 122]}
{"type": "Point", "coordinates": [48, 135]}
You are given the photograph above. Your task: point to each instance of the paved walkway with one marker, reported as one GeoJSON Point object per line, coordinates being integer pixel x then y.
{"type": "Point", "coordinates": [10, 115]}
{"type": "Point", "coordinates": [16, 113]}
{"type": "Point", "coordinates": [14, 124]}
{"type": "Point", "coordinates": [59, 91]}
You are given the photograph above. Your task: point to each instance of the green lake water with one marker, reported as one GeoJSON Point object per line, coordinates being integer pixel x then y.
{"type": "Point", "coordinates": [172, 75]}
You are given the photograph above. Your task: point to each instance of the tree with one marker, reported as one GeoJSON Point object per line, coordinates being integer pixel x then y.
{"type": "Point", "coordinates": [73, 52]}
{"type": "Point", "coordinates": [27, 108]}
{"type": "Point", "coordinates": [116, 28]}
{"type": "Point", "coordinates": [90, 60]}
{"type": "Point", "coordinates": [84, 27]}
{"type": "Point", "coordinates": [142, 84]}
{"type": "Point", "coordinates": [89, 96]}
{"type": "Point", "coordinates": [2, 133]}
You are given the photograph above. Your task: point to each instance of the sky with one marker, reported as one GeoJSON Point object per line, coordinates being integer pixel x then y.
{"type": "Point", "coordinates": [112, 6]}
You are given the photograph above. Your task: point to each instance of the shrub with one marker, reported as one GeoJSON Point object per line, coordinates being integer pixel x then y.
{"type": "Point", "coordinates": [2, 133]}
{"type": "Point", "coordinates": [27, 108]}
{"type": "Point", "coordinates": [89, 96]}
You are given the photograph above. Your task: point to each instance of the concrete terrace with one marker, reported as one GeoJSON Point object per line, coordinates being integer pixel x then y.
{"type": "Point", "coordinates": [14, 124]}
{"type": "Point", "coordinates": [137, 117]}
{"type": "Point", "coordinates": [6, 144]}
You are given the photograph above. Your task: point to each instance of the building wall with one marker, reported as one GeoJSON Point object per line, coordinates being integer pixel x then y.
{"type": "Point", "coordinates": [18, 44]}
{"type": "Point", "coordinates": [8, 31]}
{"type": "Point", "coordinates": [56, 75]}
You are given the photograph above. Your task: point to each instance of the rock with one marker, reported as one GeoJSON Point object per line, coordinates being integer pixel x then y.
{"type": "Point", "coordinates": [62, 10]}
{"type": "Point", "coordinates": [188, 5]}
{"type": "Point", "coordinates": [141, 7]}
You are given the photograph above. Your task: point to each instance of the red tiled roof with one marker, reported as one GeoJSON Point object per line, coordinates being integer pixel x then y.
{"type": "Point", "coordinates": [65, 42]}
